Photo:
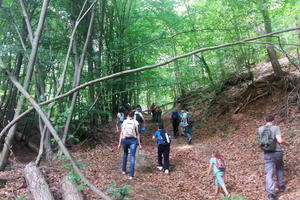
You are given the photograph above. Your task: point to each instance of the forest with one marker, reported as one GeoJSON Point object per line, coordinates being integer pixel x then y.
{"type": "Point", "coordinates": [68, 66]}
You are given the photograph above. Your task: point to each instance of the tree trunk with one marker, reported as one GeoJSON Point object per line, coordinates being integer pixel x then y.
{"type": "Point", "coordinates": [78, 74]}
{"type": "Point", "coordinates": [69, 189]}
{"type": "Point", "coordinates": [177, 70]}
{"type": "Point", "coordinates": [271, 51]}
{"type": "Point", "coordinates": [12, 131]}
{"type": "Point", "coordinates": [36, 183]}
{"type": "Point", "coordinates": [207, 69]}
{"type": "Point", "coordinates": [298, 25]}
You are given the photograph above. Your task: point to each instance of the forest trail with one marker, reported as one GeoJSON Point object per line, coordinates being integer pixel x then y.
{"type": "Point", "coordinates": [234, 134]}
{"type": "Point", "coordinates": [188, 177]}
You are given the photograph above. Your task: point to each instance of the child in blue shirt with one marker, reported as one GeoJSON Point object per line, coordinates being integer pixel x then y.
{"type": "Point", "coordinates": [219, 182]}
{"type": "Point", "coordinates": [162, 149]}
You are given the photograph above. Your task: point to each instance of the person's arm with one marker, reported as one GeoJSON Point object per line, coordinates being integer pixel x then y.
{"type": "Point", "coordinates": [209, 168]}
{"type": "Point", "coordinates": [138, 136]}
{"type": "Point", "coordinates": [120, 139]}
{"type": "Point", "coordinates": [154, 136]}
{"type": "Point", "coordinates": [281, 141]}
{"type": "Point", "coordinates": [143, 120]}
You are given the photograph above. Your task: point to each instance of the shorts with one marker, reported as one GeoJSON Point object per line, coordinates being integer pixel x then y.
{"type": "Point", "coordinates": [119, 123]}
{"type": "Point", "coordinates": [219, 179]}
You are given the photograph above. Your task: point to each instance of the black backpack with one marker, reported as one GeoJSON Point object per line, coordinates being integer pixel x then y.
{"type": "Point", "coordinates": [267, 140]}
{"type": "Point", "coordinates": [189, 118]}
{"type": "Point", "coordinates": [165, 137]}
{"type": "Point", "coordinates": [175, 116]}
{"type": "Point", "coordinates": [138, 118]}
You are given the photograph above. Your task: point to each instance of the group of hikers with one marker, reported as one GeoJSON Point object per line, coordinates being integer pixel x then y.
{"type": "Point", "coordinates": [131, 138]}
{"type": "Point", "coordinates": [156, 113]}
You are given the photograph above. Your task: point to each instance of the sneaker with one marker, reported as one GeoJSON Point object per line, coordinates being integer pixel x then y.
{"type": "Point", "coordinates": [123, 172]}
{"type": "Point", "coordinates": [271, 196]}
{"type": "Point", "coordinates": [281, 189]}
{"type": "Point", "coordinates": [166, 171]}
{"type": "Point", "coordinates": [130, 177]}
{"type": "Point", "coordinates": [159, 168]}
{"type": "Point", "coordinates": [228, 195]}
{"type": "Point", "coordinates": [189, 141]}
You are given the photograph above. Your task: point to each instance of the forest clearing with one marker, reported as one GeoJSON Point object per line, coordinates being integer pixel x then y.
{"type": "Point", "coordinates": [73, 72]}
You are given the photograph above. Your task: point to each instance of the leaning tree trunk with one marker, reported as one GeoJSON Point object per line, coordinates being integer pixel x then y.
{"type": "Point", "coordinates": [271, 51]}
{"type": "Point", "coordinates": [53, 131]}
{"type": "Point", "coordinates": [12, 131]}
{"type": "Point", "coordinates": [36, 183]}
{"type": "Point", "coordinates": [77, 76]}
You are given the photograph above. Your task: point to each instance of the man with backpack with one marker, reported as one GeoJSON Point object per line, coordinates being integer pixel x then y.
{"type": "Point", "coordinates": [270, 142]}
{"type": "Point", "coordinates": [175, 119]}
{"type": "Point", "coordinates": [140, 118]}
{"type": "Point", "coordinates": [188, 121]}
{"type": "Point", "coordinates": [130, 139]}
{"type": "Point", "coordinates": [163, 147]}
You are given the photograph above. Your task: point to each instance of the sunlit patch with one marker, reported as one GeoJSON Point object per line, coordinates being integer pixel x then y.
{"type": "Point", "coordinates": [184, 147]}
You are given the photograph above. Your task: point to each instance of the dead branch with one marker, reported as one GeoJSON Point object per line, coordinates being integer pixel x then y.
{"type": "Point", "coordinates": [54, 133]}
{"type": "Point", "coordinates": [36, 183]}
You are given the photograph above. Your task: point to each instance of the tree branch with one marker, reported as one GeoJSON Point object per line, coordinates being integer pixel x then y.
{"type": "Point", "coordinates": [53, 132]}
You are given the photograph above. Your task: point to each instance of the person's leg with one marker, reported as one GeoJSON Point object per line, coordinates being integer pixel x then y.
{"type": "Point", "coordinates": [187, 133]}
{"type": "Point", "coordinates": [159, 155]}
{"type": "Point", "coordinates": [217, 189]}
{"type": "Point", "coordinates": [269, 170]}
{"type": "Point", "coordinates": [279, 169]}
{"type": "Point", "coordinates": [176, 129]}
{"type": "Point", "coordinates": [166, 157]}
{"type": "Point", "coordinates": [133, 145]}
{"type": "Point", "coordinates": [125, 155]}
{"type": "Point", "coordinates": [220, 181]}
{"type": "Point", "coordinates": [140, 131]}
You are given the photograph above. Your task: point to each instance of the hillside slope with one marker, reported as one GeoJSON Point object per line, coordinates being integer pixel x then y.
{"type": "Point", "coordinates": [234, 134]}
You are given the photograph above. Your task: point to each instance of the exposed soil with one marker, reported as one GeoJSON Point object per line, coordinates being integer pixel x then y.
{"type": "Point", "coordinates": [234, 134]}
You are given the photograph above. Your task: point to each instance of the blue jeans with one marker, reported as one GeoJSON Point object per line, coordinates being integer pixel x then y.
{"type": "Point", "coordinates": [132, 145]}
{"type": "Point", "coordinates": [187, 132]}
{"type": "Point", "coordinates": [271, 159]}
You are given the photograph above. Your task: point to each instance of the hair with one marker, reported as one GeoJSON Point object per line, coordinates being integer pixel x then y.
{"type": "Point", "coordinates": [160, 126]}
{"type": "Point", "coordinates": [270, 118]}
{"type": "Point", "coordinates": [216, 153]}
{"type": "Point", "coordinates": [131, 114]}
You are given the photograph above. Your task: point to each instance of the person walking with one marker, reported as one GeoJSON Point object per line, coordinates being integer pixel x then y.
{"type": "Point", "coordinates": [163, 147]}
{"type": "Point", "coordinates": [270, 141]}
{"type": "Point", "coordinates": [152, 108]}
{"type": "Point", "coordinates": [129, 139]}
{"type": "Point", "coordinates": [188, 121]}
{"type": "Point", "coordinates": [158, 114]}
{"type": "Point", "coordinates": [218, 165]}
{"type": "Point", "coordinates": [138, 116]}
{"type": "Point", "coordinates": [120, 118]}
{"type": "Point", "coordinates": [175, 119]}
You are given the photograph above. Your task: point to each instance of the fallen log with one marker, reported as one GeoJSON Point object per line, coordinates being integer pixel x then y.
{"type": "Point", "coordinates": [69, 190]}
{"type": "Point", "coordinates": [36, 183]}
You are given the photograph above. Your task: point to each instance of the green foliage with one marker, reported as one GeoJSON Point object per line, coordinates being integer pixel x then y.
{"type": "Point", "coordinates": [73, 176]}
{"type": "Point", "coordinates": [22, 196]}
{"type": "Point", "coordinates": [118, 193]}
{"type": "Point", "coordinates": [236, 197]}
{"type": "Point", "coordinates": [255, 142]}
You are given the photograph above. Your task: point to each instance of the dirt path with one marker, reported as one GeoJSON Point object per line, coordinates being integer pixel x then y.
{"type": "Point", "coordinates": [188, 179]}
